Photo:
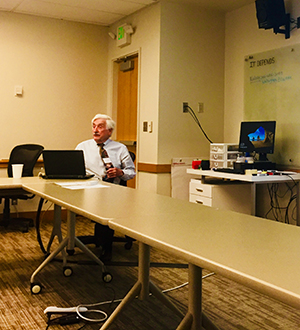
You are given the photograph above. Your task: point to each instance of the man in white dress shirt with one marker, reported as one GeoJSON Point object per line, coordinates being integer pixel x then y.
{"type": "Point", "coordinates": [115, 165]}
{"type": "Point", "coordinates": [123, 166]}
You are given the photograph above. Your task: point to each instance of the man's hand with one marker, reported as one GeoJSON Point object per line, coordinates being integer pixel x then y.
{"type": "Point", "coordinates": [114, 172]}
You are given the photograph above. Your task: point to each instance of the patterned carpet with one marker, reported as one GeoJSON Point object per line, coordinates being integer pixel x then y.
{"type": "Point", "coordinates": [229, 305]}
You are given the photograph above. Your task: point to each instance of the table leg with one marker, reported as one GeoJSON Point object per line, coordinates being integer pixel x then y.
{"type": "Point", "coordinates": [298, 203]}
{"type": "Point", "coordinates": [71, 221]}
{"type": "Point", "coordinates": [60, 247]}
{"type": "Point", "coordinates": [195, 319]}
{"type": "Point", "coordinates": [142, 288]}
{"type": "Point", "coordinates": [253, 199]}
{"type": "Point", "coordinates": [69, 242]}
{"type": "Point", "coordinates": [56, 230]}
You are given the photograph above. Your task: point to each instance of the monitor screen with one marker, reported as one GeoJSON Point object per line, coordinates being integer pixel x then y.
{"type": "Point", "coordinates": [257, 137]}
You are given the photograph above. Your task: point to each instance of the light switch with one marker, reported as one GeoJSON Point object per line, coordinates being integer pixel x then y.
{"type": "Point", "coordinates": [18, 90]}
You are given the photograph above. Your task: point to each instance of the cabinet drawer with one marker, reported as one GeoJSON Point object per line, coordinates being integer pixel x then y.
{"type": "Point", "coordinates": [222, 195]}
{"type": "Point", "coordinates": [200, 200]}
{"type": "Point", "coordinates": [198, 188]}
{"type": "Point", "coordinates": [217, 163]}
{"type": "Point", "coordinates": [216, 156]}
{"type": "Point", "coordinates": [220, 164]}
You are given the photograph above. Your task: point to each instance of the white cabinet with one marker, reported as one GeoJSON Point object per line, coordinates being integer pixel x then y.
{"type": "Point", "coordinates": [224, 195]}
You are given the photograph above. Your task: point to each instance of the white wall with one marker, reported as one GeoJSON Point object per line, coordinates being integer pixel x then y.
{"type": "Point", "coordinates": [62, 67]}
{"type": "Point", "coordinates": [243, 37]}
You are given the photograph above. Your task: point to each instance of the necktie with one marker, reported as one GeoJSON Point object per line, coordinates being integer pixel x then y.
{"type": "Point", "coordinates": [106, 161]}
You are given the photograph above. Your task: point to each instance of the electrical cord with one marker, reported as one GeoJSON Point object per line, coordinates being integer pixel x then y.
{"type": "Point", "coordinates": [192, 113]}
{"type": "Point", "coordinates": [293, 21]}
{"type": "Point", "coordinates": [275, 208]}
{"type": "Point", "coordinates": [110, 302]}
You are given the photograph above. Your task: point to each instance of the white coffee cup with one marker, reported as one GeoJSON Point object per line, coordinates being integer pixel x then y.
{"type": "Point", "coordinates": [17, 170]}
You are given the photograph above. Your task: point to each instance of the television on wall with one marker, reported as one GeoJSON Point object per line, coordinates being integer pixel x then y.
{"type": "Point", "coordinates": [270, 13]}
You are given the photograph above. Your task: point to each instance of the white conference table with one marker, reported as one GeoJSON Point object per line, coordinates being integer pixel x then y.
{"type": "Point", "coordinates": [254, 181]}
{"type": "Point", "coordinates": [258, 253]}
{"type": "Point", "coordinates": [255, 252]}
{"type": "Point", "coordinates": [99, 204]}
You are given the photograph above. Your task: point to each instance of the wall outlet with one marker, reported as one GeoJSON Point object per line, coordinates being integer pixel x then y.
{"type": "Point", "coordinates": [14, 202]}
{"type": "Point", "coordinates": [185, 106]}
{"type": "Point", "coordinates": [200, 107]}
{"type": "Point", "coordinates": [145, 126]}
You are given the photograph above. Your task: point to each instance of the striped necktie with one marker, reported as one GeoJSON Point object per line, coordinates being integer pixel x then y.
{"type": "Point", "coordinates": [106, 161]}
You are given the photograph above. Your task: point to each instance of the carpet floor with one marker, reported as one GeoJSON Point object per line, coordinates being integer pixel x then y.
{"type": "Point", "coordinates": [229, 305]}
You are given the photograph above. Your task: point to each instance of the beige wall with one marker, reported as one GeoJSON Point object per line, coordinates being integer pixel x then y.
{"type": "Point", "coordinates": [181, 59]}
{"type": "Point", "coordinates": [66, 69]}
{"type": "Point", "coordinates": [145, 42]}
{"type": "Point", "coordinates": [62, 67]}
{"type": "Point", "coordinates": [243, 38]}
{"type": "Point", "coordinates": [191, 70]}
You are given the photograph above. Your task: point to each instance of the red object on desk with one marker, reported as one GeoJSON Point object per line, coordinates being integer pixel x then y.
{"type": "Point", "coordinates": [196, 164]}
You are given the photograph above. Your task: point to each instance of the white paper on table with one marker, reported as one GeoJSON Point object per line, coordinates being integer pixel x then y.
{"type": "Point", "coordinates": [82, 185]}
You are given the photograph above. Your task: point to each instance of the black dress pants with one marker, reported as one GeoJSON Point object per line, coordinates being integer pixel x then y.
{"type": "Point", "coordinates": [104, 237]}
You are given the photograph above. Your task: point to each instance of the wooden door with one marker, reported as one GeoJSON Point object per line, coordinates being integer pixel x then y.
{"type": "Point", "coordinates": [126, 131]}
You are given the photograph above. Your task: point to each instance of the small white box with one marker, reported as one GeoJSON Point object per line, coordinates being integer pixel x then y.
{"type": "Point", "coordinates": [223, 154]}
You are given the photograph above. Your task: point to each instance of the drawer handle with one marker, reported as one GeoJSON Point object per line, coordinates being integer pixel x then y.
{"type": "Point", "coordinates": [199, 202]}
{"type": "Point", "coordinates": [199, 189]}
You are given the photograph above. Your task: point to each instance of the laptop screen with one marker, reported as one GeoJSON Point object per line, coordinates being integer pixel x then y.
{"type": "Point", "coordinates": [64, 163]}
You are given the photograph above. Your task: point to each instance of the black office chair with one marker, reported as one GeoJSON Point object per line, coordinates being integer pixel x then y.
{"type": "Point", "coordinates": [28, 155]}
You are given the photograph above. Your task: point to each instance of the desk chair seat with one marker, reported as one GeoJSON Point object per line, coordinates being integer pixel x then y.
{"type": "Point", "coordinates": [28, 155]}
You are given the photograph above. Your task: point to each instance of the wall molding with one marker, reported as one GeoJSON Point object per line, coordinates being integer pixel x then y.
{"type": "Point", "coordinates": [154, 168]}
{"type": "Point", "coordinates": [4, 163]}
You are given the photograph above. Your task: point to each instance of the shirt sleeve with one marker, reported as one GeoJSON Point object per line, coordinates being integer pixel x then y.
{"type": "Point", "coordinates": [127, 165]}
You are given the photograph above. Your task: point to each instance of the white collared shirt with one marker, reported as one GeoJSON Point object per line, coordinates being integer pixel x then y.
{"type": "Point", "coordinates": [118, 154]}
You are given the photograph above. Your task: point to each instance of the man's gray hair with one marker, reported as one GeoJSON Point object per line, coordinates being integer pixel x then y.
{"type": "Point", "coordinates": [110, 124]}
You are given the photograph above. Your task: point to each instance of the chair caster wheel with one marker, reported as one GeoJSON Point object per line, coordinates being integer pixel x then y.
{"type": "Point", "coordinates": [68, 271]}
{"type": "Point", "coordinates": [107, 277]}
{"type": "Point", "coordinates": [71, 252]}
{"type": "Point", "coordinates": [35, 288]}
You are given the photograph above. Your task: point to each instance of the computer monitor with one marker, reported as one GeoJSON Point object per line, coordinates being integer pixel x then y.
{"type": "Point", "coordinates": [257, 137]}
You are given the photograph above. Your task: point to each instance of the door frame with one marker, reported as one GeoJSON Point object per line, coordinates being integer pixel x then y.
{"type": "Point", "coordinates": [114, 99]}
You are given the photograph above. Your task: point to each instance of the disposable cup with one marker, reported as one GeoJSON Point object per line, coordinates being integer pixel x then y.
{"type": "Point", "coordinates": [17, 170]}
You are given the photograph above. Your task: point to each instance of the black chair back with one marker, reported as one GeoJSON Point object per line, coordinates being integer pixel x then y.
{"type": "Point", "coordinates": [26, 154]}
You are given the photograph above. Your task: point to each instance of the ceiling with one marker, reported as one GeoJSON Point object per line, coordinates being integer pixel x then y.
{"type": "Point", "coordinates": [100, 12]}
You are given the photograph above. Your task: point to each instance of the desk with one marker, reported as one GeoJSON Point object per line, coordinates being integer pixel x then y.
{"type": "Point", "coordinates": [254, 181]}
{"type": "Point", "coordinates": [258, 253]}
{"type": "Point", "coordinates": [255, 252]}
{"type": "Point", "coordinates": [98, 204]}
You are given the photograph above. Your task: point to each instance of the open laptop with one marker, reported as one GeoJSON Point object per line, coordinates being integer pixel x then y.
{"type": "Point", "coordinates": [64, 164]}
